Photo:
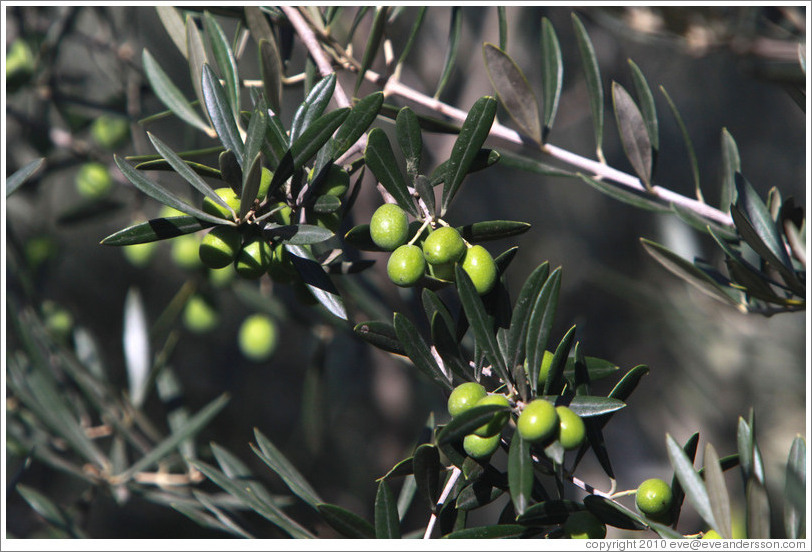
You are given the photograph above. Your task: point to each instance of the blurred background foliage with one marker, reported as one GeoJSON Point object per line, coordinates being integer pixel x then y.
{"type": "Point", "coordinates": [342, 411]}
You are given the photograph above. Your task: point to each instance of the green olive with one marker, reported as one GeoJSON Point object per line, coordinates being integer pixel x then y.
{"type": "Point", "coordinates": [480, 447]}
{"type": "Point", "coordinates": [254, 258]}
{"type": "Point", "coordinates": [571, 428]}
{"type": "Point", "coordinates": [139, 254]}
{"type": "Point", "coordinates": [654, 498]}
{"type": "Point", "coordinates": [498, 420]}
{"type": "Point", "coordinates": [264, 183]}
{"type": "Point", "coordinates": [258, 337]}
{"type": "Point", "coordinates": [213, 208]}
{"type": "Point", "coordinates": [337, 183]}
{"type": "Point", "coordinates": [185, 251]}
{"type": "Point", "coordinates": [538, 422]}
{"type": "Point", "coordinates": [93, 180]}
{"type": "Point", "coordinates": [481, 268]}
{"type": "Point", "coordinates": [220, 246]}
{"type": "Point", "coordinates": [584, 525]}
{"type": "Point", "coordinates": [199, 316]}
{"type": "Point", "coordinates": [443, 246]}
{"type": "Point", "coordinates": [389, 227]}
{"type": "Point", "coordinates": [711, 534]}
{"type": "Point", "coordinates": [110, 131]}
{"type": "Point", "coordinates": [464, 397]}
{"type": "Point", "coordinates": [406, 265]}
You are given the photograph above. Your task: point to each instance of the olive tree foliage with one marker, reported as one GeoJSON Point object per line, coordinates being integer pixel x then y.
{"type": "Point", "coordinates": [280, 167]}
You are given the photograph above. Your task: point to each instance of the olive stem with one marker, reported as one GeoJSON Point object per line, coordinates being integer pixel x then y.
{"type": "Point", "coordinates": [420, 231]}
{"type": "Point", "coordinates": [455, 474]}
{"type": "Point", "coordinates": [623, 493]}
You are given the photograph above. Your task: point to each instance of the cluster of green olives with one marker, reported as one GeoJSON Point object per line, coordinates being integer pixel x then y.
{"type": "Point", "coordinates": [538, 422]}
{"type": "Point", "coordinates": [439, 251]}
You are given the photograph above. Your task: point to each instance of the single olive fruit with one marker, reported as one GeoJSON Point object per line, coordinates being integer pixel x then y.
{"type": "Point", "coordinates": [283, 213]}
{"type": "Point", "coordinates": [167, 212]}
{"type": "Point", "coordinates": [711, 534]}
{"type": "Point", "coordinates": [264, 183]}
{"type": "Point", "coordinates": [480, 447]}
{"type": "Point", "coordinates": [220, 246]}
{"type": "Point", "coordinates": [19, 59]}
{"type": "Point", "coordinates": [185, 251]}
{"type": "Point", "coordinates": [406, 265]}
{"type": "Point", "coordinates": [389, 227]}
{"type": "Point", "coordinates": [328, 221]}
{"type": "Point", "coordinates": [337, 183]}
{"type": "Point", "coordinates": [481, 268]}
{"type": "Point", "coordinates": [199, 316]}
{"type": "Point", "coordinates": [654, 497]}
{"type": "Point", "coordinates": [220, 277]}
{"type": "Point", "coordinates": [254, 258]}
{"type": "Point", "coordinates": [93, 180]}
{"type": "Point", "coordinates": [58, 320]}
{"type": "Point", "coordinates": [258, 337]}
{"type": "Point", "coordinates": [538, 421]}
{"type": "Point", "coordinates": [571, 428]}
{"type": "Point", "coordinates": [39, 249]}
{"type": "Point", "coordinates": [584, 525]}
{"type": "Point", "coordinates": [546, 362]}
{"type": "Point", "coordinates": [465, 396]}
{"type": "Point", "coordinates": [443, 246]}
{"type": "Point", "coordinates": [213, 208]}
{"type": "Point", "coordinates": [110, 131]}
{"type": "Point", "coordinates": [497, 422]}
{"type": "Point", "coordinates": [281, 268]}
{"type": "Point", "coordinates": [139, 254]}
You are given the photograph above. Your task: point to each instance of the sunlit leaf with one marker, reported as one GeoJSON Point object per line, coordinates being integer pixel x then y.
{"type": "Point", "coordinates": [373, 43]}
{"type": "Point", "coordinates": [758, 511]}
{"type": "Point", "coordinates": [454, 33]}
{"type": "Point", "coordinates": [387, 523]}
{"type": "Point", "coordinates": [381, 161]}
{"type": "Point", "coordinates": [224, 58]}
{"type": "Point", "coordinates": [513, 90]}
{"type": "Point", "coordinates": [689, 145]}
{"type": "Point", "coordinates": [633, 133]}
{"type": "Point", "coordinates": [717, 492]}
{"type": "Point", "coordinates": [313, 106]}
{"type": "Point", "coordinates": [170, 95]}
{"type": "Point", "coordinates": [593, 79]}
{"type": "Point", "coordinates": [794, 485]}
{"type": "Point", "coordinates": [220, 113]}
{"type": "Point", "coordinates": [174, 26]}
{"type": "Point", "coordinates": [317, 280]}
{"type": "Point", "coordinates": [356, 124]}
{"type": "Point", "coordinates": [692, 484]}
{"type": "Point", "coordinates": [274, 458]}
{"type": "Point", "coordinates": [552, 74]}
{"type": "Point", "coordinates": [731, 164]}
{"type": "Point", "coordinates": [418, 351]}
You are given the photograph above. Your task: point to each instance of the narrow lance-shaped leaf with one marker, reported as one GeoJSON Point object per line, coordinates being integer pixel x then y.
{"type": "Point", "coordinates": [513, 91]}
{"type": "Point", "coordinates": [136, 346]}
{"type": "Point", "coordinates": [255, 136]}
{"type": "Point", "coordinates": [356, 124]}
{"type": "Point", "coordinates": [472, 135]}
{"type": "Point", "coordinates": [613, 513]}
{"type": "Point", "coordinates": [426, 468]}
{"type": "Point", "coordinates": [731, 164]}
{"type": "Point", "coordinates": [271, 72]}
{"type": "Point", "coordinates": [552, 74]}
{"type": "Point", "coordinates": [381, 161]}
{"type": "Point", "coordinates": [174, 26]}
{"type": "Point", "coordinates": [373, 44]}
{"type": "Point", "coordinates": [554, 384]}
{"type": "Point", "coordinates": [794, 485]}
{"type": "Point", "coordinates": [717, 492]}
{"type": "Point", "coordinates": [633, 133]}
{"type": "Point", "coordinates": [758, 511]}
{"type": "Point", "coordinates": [593, 80]}
{"type": "Point", "coordinates": [22, 175]}
{"type": "Point", "coordinates": [169, 94]}
{"type": "Point", "coordinates": [224, 58]}
{"type": "Point", "coordinates": [313, 106]}
{"type": "Point", "coordinates": [540, 324]}
{"type": "Point", "coordinates": [274, 458]}
{"type": "Point", "coordinates": [689, 145]}
{"type": "Point", "coordinates": [156, 230]}
{"type": "Point", "coordinates": [162, 195]}
{"type": "Point", "coordinates": [691, 483]}
{"type": "Point", "coordinates": [220, 113]}
{"type": "Point", "coordinates": [418, 22]}
{"type": "Point", "coordinates": [520, 318]}
{"type": "Point", "coordinates": [347, 523]}
{"type": "Point", "coordinates": [454, 33]}
{"type": "Point", "coordinates": [465, 423]}
{"type": "Point", "coordinates": [417, 350]}
{"type": "Point", "coordinates": [185, 171]}
{"type": "Point", "coordinates": [49, 511]}
{"type": "Point", "coordinates": [317, 281]}
{"type": "Point", "coordinates": [410, 139]}
{"type": "Point", "coordinates": [647, 107]}
{"type": "Point", "coordinates": [481, 323]}
{"type": "Point", "coordinates": [252, 178]}
{"type": "Point", "coordinates": [636, 198]}
{"type": "Point", "coordinates": [197, 58]}
{"type": "Point", "coordinates": [387, 523]}
{"type": "Point", "coordinates": [520, 473]}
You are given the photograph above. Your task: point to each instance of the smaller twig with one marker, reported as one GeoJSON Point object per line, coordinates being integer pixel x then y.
{"type": "Point", "coordinates": [452, 480]}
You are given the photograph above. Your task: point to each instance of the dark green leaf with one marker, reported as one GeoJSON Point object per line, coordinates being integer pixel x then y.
{"type": "Point", "coordinates": [593, 79]}
{"type": "Point", "coordinates": [467, 422]}
{"type": "Point", "coordinates": [185, 171]}
{"type": "Point", "coordinates": [488, 532]}
{"type": "Point", "coordinates": [220, 113]}
{"type": "Point", "coordinates": [250, 185]}
{"type": "Point", "coordinates": [163, 165]}
{"type": "Point", "coordinates": [356, 124]}
{"type": "Point", "coordinates": [587, 405]}
{"type": "Point", "coordinates": [359, 237]}
{"type": "Point", "coordinates": [326, 204]}
{"type": "Point", "coordinates": [690, 481]}
{"type": "Point", "coordinates": [234, 468]}
{"type": "Point", "coordinates": [298, 234]}
{"type": "Point", "coordinates": [198, 515]}
{"type": "Point", "coordinates": [513, 91]}
{"type": "Point", "coordinates": [418, 22]}
{"type": "Point", "coordinates": [717, 492]}
{"type": "Point", "coordinates": [689, 272]}
{"type": "Point", "coordinates": [275, 460]}
{"type": "Point", "coordinates": [381, 335]}
{"type": "Point", "coordinates": [410, 139]}
{"type": "Point", "coordinates": [432, 304]}
{"type": "Point", "coordinates": [639, 199]}
{"type": "Point", "coordinates": [520, 473]}
{"type": "Point", "coordinates": [174, 26]}
{"type": "Point", "coordinates": [552, 74]}
{"type": "Point", "coordinates": [224, 58]}
{"type": "Point", "coordinates": [549, 512]}
{"type": "Point", "coordinates": [169, 94]}
{"type": "Point", "coordinates": [477, 494]}
{"type": "Point", "coordinates": [254, 141]}
{"type": "Point", "coordinates": [484, 158]}
{"type": "Point", "coordinates": [401, 469]}
{"type": "Point", "coordinates": [313, 106]}
{"type": "Point", "coordinates": [596, 368]}
{"type": "Point", "coordinates": [700, 223]}
{"type": "Point", "coordinates": [745, 445]}
{"type": "Point", "coordinates": [317, 281]}
{"type": "Point", "coordinates": [418, 351]}
{"type": "Point", "coordinates": [794, 485]}
{"type": "Point", "coordinates": [277, 141]}
{"type": "Point", "coordinates": [540, 324]}
{"type": "Point", "coordinates": [157, 192]}
{"type": "Point", "coordinates": [345, 522]}
{"type": "Point", "coordinates": [633, 133]}
{"type": "Point", "coordinates": [758, 511]}
{"type": "Point", "coordinates": [448, 347]}
{"type": "Point", "coordinates": [626, 386]}
{"type": "Point", "coordinates": [679, 495]}
{"type": "Point", "coordinates": [381, 161]}
{"type": "Point", "coordinates": [374, 40]}
{"type": "Point", "coordinates": [197, 58]}
{"type": "Point", "coordinates": [454, 33]}
{"type": "Point", "coordinates": [426, 466]}
{"type": "Point", "coordinates": [52, 513]}
{"type": "Point", "coordinates": [664, 531]}
{"type": "Point", "coordinates": [492, 230]}
{"type": "Point", "coordinates": [387, 523]}
{"type": "Point", "coordinates": [425, 190]}
{"type": "Point", "coordinates": [481, 323]}
{"type": "Point", "coordinates": [474, 131]}
{"type": "Point", "coordinates": [268, 510]}
{"type": "Point", "coordinates": [271, 71]}
{"type": "Point", "coordinates": [689, 145]}
{"type": "Point", "coordinates": [554, 384]}
{"type": "Point", "coordinates": [647, 108]}
{"type": "Point", "coordinates": [520, 318]}
{"type": "Point", "coordinates": [154, 230]}
{"type": "Point", "coordinates": [614, 514]}
{"type": "Point", "coordinates": [731, 164]}
{"type": "Point", "coordinates": [22, 175]}
{"type": "Point", "coordinates": [359, 16]}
